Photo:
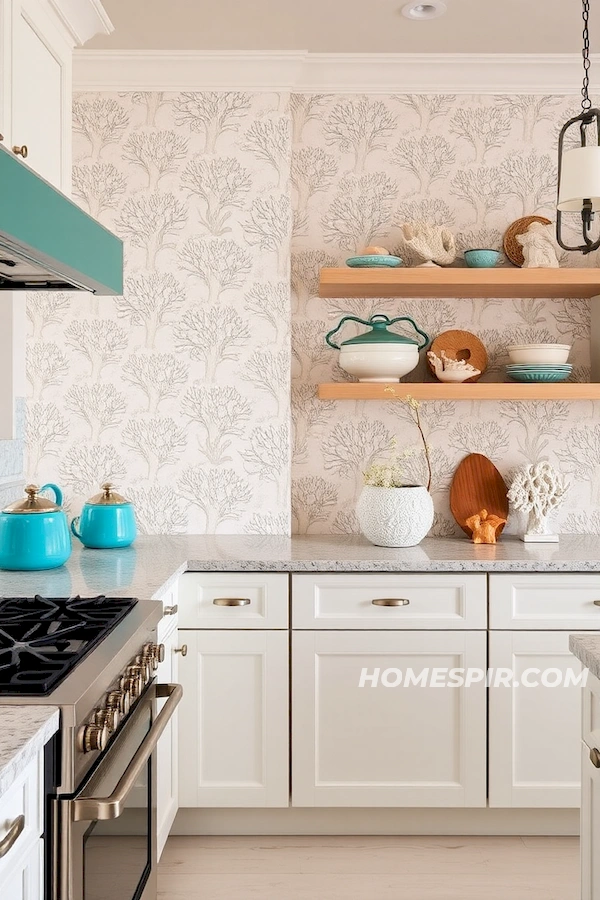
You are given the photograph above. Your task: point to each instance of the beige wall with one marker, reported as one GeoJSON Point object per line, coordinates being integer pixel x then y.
{"type": "Point", "coordinates": [181, 390]}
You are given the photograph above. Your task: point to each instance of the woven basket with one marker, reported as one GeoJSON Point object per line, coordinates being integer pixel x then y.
{"type": "Point", "coordinates": [512, 248]}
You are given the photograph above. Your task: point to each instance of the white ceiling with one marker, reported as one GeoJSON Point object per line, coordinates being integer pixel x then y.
{"type": "Point", "coordinates": [346, 26]}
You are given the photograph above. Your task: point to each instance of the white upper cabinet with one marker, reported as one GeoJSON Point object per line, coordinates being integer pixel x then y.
{"type": "Point", "coordinates": [40, 82]}
{"type": "Point", "coordinates": [36, 44]}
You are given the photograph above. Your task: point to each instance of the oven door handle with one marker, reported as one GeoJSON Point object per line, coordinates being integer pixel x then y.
{"type": "Point", "coordinates": [91, 809]}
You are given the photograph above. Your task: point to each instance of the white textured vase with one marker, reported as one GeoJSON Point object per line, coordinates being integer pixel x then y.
{"type": "Point", "coordinates": [395, 517]}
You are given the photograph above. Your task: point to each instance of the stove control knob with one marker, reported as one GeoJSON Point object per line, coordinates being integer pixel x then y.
{"type": "Point", "coordinates": [155, 653]}
{"type": "Point", "coordinates": [136, 672]}
{"type": "Point", "coordinates": [132, 684]}
{"type": "Point", "coordinates": [92, 737]}
{"type": "Point", "coordinates": [118, 700]}
{"type": "Point", "coordinates": [145, 666]}
{"type": "Point", "coordinates": [108, 716]}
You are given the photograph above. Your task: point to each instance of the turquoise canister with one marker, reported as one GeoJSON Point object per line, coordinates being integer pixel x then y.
{"type": "Point", "coordinates": [34, 533]}
{"type": "Point", "coordinates": [107, 521]}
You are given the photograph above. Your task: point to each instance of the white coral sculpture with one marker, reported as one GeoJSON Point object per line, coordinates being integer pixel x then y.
{"type": "Point", "coordinates": [538, 490]}
{"type": "Point", "coordinates": [423, 244]}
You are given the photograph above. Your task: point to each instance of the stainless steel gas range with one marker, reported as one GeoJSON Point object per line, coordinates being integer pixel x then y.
{"type": "Point", "coordinates": [96, 659]}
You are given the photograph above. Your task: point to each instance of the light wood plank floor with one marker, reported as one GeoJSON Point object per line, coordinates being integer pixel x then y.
{"type": "Point", "coordinates": [369, 868]}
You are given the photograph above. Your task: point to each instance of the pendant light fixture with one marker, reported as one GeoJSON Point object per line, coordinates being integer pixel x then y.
{"type": "Point", "coordinates": [579, 167]}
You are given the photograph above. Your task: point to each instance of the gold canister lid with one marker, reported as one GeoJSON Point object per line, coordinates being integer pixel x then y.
{"type": "Point", "coordinates": [107, 497]}
{"type": "Point", "coordinates": [33, 503]}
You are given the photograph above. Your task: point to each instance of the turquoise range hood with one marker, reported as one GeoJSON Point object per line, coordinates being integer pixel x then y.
{"type": "Point", "coordinates": [47, 242]}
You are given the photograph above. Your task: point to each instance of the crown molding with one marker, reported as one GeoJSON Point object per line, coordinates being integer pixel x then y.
{"type": "Point", "coordinates": [82, 18]}
{"type": "Point", "coordinates": [376, 73]}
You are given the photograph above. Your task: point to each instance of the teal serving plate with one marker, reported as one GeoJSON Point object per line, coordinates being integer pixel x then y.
{"type": "Point", "coordinates": [539, 376]}
{"type": "Point", "coordinates": [374, 262]}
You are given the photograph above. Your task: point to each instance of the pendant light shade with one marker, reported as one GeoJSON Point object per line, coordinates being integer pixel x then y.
{"type": "Point", "coordinates": [579, 167]}
{"type": "Point", "coordinates": [579, 179]}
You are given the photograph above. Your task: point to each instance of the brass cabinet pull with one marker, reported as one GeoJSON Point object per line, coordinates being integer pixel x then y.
{"type": "Point", "coordinates": [20, 151]}
{"type": "Point", "coordinates": [12, 835]}
{"type": "Point", "coordinates": [231, 601]}
{"type": "Point", "coordinates": [596, 602]}
{"type": "Point", "coordinates": [183, 649]}
{"type": "Point", "coordinates": [171, 610]}
{"type": "Point", "coordinates": [1, 137]}
{"type": "Point", "coordinates": [391, 601]}
{"type": "Point", "coordinates": [595, 757]}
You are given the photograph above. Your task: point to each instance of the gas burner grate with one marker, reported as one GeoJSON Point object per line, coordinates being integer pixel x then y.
{"type": "Point", "coordinates": [42, 639]}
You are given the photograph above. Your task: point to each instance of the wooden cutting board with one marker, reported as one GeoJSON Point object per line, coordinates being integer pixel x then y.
{"type": "Point", "coordinates": [477, 485]}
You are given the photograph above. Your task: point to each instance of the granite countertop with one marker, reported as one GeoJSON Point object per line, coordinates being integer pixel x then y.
{"type": "Point", "coordinates": [148, 568]}
{"type": "Point", "coordinates": [23, 732]}
{"type": "Point", "coordinates": [586, 648]}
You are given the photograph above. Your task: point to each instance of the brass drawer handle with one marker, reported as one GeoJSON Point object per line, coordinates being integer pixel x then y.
{"type": "Point", "coordinates": [183, 649]}
{"type": "Point", "coordinates": [171, 610]}
{"type": "Point", "coordinates": [595, 757]}
{"type": "Point", "coordinates": [11, 836]}
{"type": "Point", "coordinates": [20, 151]}
{"type": "Point", "coordinates": [391, 601]}
{"type": "Point", "coordinates": [231, 601]}
{"type": "Point", "coordinates": [596, 602]}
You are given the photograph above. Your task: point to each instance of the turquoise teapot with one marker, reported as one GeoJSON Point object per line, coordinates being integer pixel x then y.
{"type": "Point", "coordinates": [34, 533]}
{"type": "Point", "coordinates": [107, 521]}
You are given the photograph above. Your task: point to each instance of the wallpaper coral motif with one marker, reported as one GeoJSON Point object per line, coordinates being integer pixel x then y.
{"type": "Point", "coordinates": [363, 165]}
{"type": "Point", "coordinates": [180, 390]}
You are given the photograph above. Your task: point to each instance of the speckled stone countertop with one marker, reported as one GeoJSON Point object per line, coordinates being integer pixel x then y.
{"type": "Point", "coordinates": [148, 568]}
{"type": "Point", "coordinates": [23, 732]}
{"type": "Point", "coordinates": [586, 648]}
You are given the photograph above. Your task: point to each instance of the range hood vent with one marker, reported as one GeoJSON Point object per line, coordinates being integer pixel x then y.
{"type": "Point", "coordinates": [47, 242]}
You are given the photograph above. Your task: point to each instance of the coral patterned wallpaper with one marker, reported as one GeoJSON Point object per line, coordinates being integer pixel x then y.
{"type": "Point", "coordinates": [180, 390]}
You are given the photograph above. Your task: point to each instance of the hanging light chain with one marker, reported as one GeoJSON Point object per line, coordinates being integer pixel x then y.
{"type": "Point", "coordinates": [586, 103]}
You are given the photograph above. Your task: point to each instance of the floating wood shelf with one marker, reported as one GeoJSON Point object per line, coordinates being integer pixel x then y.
{"type": "Point", "coordinates": [433, 282]}
{"type": "Point", "coordinates": [437, 391]}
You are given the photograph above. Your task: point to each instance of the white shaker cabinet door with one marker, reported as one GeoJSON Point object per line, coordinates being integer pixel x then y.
{"type": "Point", "coordinates": [386, 746]}
{"type": "Point", "coordinates": [590, 824]}
{"type": "Point", "coordinates": [41, 93]}
{"type": "Point", "coordinates": [167, 784]}
{"type": "Point", "coordinates": [534, 732]}
{"type": "Point", "coordinates": [233, 719]}
{"type": "Point", "coordinates": [24, 878]}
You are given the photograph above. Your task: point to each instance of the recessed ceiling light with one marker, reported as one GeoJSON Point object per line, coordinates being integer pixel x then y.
{"type": "Point", "coordinates": [430, 10]}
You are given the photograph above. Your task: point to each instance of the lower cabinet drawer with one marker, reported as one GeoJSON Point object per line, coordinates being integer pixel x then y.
{"type": "Point", "coordinates": [371, 741]}
{"type": "Point", "coordinates": [375, 602]}
{"type": "Point", "coordinates": [21, 813]}
{"type": "Point", "coordinates": [545, 602]}
{"type": "Point", "coordinates": [225, 600]}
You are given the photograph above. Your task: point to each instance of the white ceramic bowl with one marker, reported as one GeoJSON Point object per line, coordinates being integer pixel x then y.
{"type": "Point", "coordinates": [539, 354]}
{"type": "Point", "coordinates": [379, 362]}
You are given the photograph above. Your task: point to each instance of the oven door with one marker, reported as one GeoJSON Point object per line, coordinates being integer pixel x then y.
{"type": "Point", "coordinates": [107, 845]}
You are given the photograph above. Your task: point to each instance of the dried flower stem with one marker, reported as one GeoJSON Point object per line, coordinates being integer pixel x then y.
{"type": "Point", "coordinates": [414, 406]}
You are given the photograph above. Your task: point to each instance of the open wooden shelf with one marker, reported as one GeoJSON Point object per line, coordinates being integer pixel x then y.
{"type": "Point", "coordinates": [437, 391]}
{"type": "Point", "coordinates": [433, 282]}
